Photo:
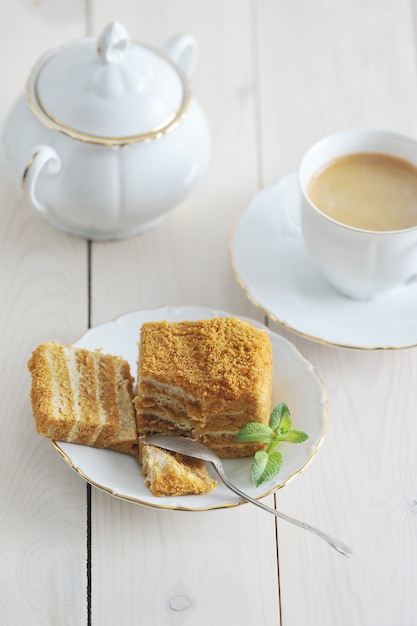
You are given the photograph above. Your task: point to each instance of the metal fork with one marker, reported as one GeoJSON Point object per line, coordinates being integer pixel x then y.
{"type": "Point", "coordinates": [192, 448]}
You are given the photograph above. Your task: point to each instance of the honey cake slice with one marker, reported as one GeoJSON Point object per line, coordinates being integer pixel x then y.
{"type": "Point", "coordinates": [172, 474]}
{"type": "Point", "coordinates": [204, 379]}
{"type": "Point", "coordinates": [82, 397]}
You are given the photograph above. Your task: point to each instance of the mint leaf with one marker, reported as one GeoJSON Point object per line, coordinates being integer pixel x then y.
{"type": "Point", "coordinates": [296, 436]}
{"type": "Point", "coordinates": [265, 466]}
{"type": "Point", "coordinates": [258, 466]}
{"type": "Point", "coordinates": [280, 419]}
{"type": "Point", "coordinates": [254, 431]}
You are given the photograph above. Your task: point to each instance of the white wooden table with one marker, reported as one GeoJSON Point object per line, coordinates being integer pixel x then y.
{"type": "Point", "coordinates": [273, 76]}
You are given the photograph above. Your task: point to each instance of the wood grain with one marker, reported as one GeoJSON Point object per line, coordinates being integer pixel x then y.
{"type": "Point", "coordinates": [331, 70]}
{"type": "Point", "coordinates": [43, 294]}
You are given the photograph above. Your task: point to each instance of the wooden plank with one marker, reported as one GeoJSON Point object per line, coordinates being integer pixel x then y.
{"type": "Point", "coordinates": [173, 567]}
{"type": "Point", "coordinates": [154, 564]}
{"type": "Point", "coordinates": [43, 294]}
{"type": "Point", "coordinates": [323, 68]}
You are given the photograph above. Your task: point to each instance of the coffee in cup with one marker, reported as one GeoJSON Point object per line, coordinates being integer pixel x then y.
{"type": "Point", "coordinates": [359, 210]}
{"type": "Point", "coordinates": [372, 191]}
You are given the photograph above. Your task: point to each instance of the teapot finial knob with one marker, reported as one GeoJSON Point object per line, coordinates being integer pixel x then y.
{"type": "Point", "coordinates": [112, 43]}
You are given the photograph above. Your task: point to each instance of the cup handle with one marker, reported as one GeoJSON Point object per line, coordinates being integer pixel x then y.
{"type": "Point", "coordinates": [183, 49]}
{"type": "Point", "coordinates": [43, 157]}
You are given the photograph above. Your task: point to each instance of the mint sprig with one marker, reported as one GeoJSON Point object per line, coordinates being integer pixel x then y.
{"type": "Point", "coordinates": [267, 463]}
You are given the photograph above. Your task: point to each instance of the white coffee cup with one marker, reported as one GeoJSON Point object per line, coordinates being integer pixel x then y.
{"type": "Point", "coordinates": [359, 263]}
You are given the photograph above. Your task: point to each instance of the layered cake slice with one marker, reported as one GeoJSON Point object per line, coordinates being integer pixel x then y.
{"type": "Point", "coordinates": [205, 380]}
{"type": "Point", "coordinates": [172, 474]}
{"type": "Point", "coordinates": [83, 397]}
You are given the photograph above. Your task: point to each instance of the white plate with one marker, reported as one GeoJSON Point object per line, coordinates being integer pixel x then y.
{"type": "Point", "coordinates": [273, 267]}
{"type": "Point", "coordinates": [295, 382]}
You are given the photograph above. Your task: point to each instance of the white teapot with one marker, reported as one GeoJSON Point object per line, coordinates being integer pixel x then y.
{"type": "Point", "coordinates": [108, 137]}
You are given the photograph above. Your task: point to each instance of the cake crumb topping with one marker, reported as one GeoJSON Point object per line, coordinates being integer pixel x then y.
{"type": "Point", "coordinates": [221, 357]}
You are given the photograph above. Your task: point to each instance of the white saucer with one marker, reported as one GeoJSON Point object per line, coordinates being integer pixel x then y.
{"type": "Point", "coordinates": [274, 269]}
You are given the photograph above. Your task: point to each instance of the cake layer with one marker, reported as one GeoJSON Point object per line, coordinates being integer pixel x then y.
{"type": "Point", "coordinates": [82, 397]}
{"type": "Point", "coordinates": [222, 442]}
{"type": "Point", "coordinates": [108, 398]}
{"type": "Point", "coordinates": [151, 412]}
{"type": "Point", "coordinates": [126, 438]}
{"type": "Point", "coordinates": [226, 446]}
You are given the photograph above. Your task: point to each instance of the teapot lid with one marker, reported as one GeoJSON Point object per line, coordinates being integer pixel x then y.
{"type": "Point", "coordinates": [109, 90]}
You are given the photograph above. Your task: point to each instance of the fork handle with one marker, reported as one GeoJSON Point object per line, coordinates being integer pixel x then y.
{"type": "Point", "coordinates": [335, 543]}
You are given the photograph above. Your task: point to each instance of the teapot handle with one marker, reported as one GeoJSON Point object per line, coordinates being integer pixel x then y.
{"type": "Point", "coordinates": [184, 50]}
{"type": "Point", "coordinates": [42, 157]}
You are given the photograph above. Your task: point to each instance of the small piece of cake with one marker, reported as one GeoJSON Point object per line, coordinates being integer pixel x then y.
{"type": "Point", "coordinates": [172, 474]}
{"type": "Point", "coordinates": [205, 380]}
{"type": "Point", "coordinates": [83, 397]}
